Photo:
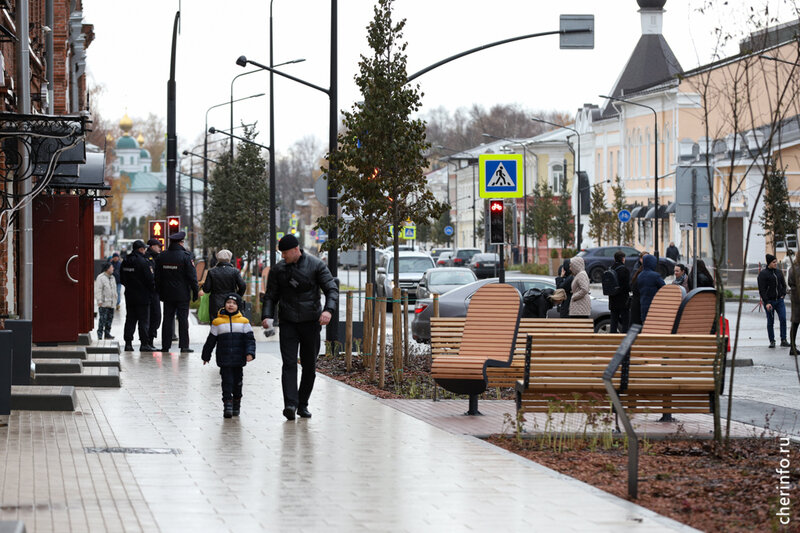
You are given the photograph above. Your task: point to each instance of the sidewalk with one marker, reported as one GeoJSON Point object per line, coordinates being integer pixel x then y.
{"type": "Point", "coordinates": [357, 465]}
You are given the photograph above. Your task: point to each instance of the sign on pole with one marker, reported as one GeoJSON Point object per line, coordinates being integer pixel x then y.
{"type": "Point", "coordinates": [501, 176]}
{"type": "Point", "coordinates": [624, 215]}
{"type": "Point", "coordinates": [699, 196]}
{"type": "Point", "coordinates": [448, 230]}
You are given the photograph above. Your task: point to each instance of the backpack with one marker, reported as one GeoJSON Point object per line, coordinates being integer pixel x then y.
{"type": "Point", "coordinates": [610, 282]}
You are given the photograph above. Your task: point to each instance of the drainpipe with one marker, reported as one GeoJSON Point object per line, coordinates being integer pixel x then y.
{"type": "Point", "coordinates": [78, 61]}
{"type": "Point", "coordinates": [49, 54]}
{"type": "Point", "coordinates": [24, 185]}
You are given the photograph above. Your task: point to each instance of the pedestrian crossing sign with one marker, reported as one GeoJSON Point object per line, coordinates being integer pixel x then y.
{"type": "Point", "coordinates": [501, 175]}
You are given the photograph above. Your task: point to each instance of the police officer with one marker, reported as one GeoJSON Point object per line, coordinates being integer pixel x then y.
{"type": "Point", "coordinates": [153, 250]}
{"type": "Point", "coordinates": [176, 282]}
{"type": "Point", "coordinates": [295, 283]}
{"type": "Point", "coordinates": [137, 277]}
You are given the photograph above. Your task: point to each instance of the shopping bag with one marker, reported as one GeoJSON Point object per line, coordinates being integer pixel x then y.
{"type": "Point", "coordinates": [203, 315]}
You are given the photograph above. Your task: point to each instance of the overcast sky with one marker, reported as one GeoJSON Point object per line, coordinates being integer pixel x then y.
{"type": "Point", "coordinates": [130, 55]}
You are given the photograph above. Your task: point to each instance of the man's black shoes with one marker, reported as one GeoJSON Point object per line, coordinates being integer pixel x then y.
{"type": "Point", "coordinates": [128, 347]}
{"type": "Point", "coordinates": [771, 344]}
{"type": "Point", "coordinates": [187, 350]}
{"type": "Point", "coordinates": [785, 344]}
{"type": "Point", "coordinates": [303, 412]}
{"type": "Point", "coordinates": [147, 348]}
{"type": "Point", "coordinates": [288, 412]}
{"type": "Point", "coordinates": [227, 412]}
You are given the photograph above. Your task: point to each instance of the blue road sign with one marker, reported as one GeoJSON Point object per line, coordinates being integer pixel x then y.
{"type": "Point", "coordinates": [702, 224]}
{"type": "Point", "coordinates": [624, 215]}
{"type": "Point", "coordinates": [500, 175]}
{"type": "Point", "coordinates": [448, 230]}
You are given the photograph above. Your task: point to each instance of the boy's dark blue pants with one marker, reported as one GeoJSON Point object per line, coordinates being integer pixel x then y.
{"type": "Point", "coordinates": [231, 382]}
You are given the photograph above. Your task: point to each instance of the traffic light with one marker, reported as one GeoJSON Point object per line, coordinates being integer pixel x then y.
{"type": "Point", "coordinates": [496, 223]}
{"type": "Point", "coordinates": [157, 230]}
{"type": "Point", "coordinates": [173, 224]}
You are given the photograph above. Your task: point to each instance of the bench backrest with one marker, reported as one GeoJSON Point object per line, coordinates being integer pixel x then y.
{"type": "Point", "coordinates": [663, 310]}
{"type": "Point", "coordinates": [491, 324]}
{"type": "Point", "coordinates": [446, 332]}
{"type": "Point", "coordinates": [697, 312]}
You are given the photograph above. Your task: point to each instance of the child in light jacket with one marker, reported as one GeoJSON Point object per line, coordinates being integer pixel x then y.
{"type": "Point", "coordinates": [105, 294]}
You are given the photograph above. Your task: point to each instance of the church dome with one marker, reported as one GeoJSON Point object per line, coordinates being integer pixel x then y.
{"type": "Point", "coordinates": [125, 123]}
{"type": "Point", "coordinates": [651, 4]}
{"type": "Point", "coordinates": [126, 142]}
{"type": "Point", "coordinates": [140, 139]}
{"type": "Point", "coordinates": [144, 154]}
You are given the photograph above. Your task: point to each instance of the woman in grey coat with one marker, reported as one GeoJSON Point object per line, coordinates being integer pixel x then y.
{"type": "Point", "coordinates": [581, 304]}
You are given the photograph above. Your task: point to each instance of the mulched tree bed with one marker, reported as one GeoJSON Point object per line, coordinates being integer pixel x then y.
{"type": "Point", "coordinates": [696, 482]}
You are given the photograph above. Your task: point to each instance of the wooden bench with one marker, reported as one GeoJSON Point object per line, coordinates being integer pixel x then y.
{"type": "Point", "coordinates": [663, 311]}
{"type": "Point", "coordinates": [446, 338]}
{"type": "Point", "coordinates": [667, 373]}
{"type": "Point", "coordinates": [488, 339]}
{"type": "Point", "coordinates": [697, 312]}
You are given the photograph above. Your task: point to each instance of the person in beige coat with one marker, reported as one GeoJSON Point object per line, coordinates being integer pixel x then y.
{"type": "Point", "coordinates": [105, 294]}
{"type": "Point", "coordinates": [581, 304]}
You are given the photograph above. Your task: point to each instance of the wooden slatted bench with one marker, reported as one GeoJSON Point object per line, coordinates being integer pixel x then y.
{"type": "Point", "coordinates": [663, 311]}
{"type": "Point", "coordinates": [487, 339]}
{"type": "Point", "coordinates": [446, 335]}
{"type": "Point", "coordinates": [697, 312]}
{"type": "Point", "coordinates": [667, 373]}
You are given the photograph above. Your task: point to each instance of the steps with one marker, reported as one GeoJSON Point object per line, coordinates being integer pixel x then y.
{"type": "Point", "coordinates": [40, 398]}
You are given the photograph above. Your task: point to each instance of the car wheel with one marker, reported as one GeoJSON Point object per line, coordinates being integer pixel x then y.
{"type": "Point", "coordinates": [596, 275]}
{"type": "Point", "coordinates": [603, 326]}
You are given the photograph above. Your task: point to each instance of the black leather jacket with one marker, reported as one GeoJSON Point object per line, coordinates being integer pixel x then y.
{"type": "Point", "coordinates": [222, 280]}
{"type": "Point", "coordinates": [297, 286]}
{"type": "Point", "coordinates": [176, 278]}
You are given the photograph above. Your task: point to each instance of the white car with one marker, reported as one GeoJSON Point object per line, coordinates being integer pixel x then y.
{"type": "Point", "coordinates": [412, 267]}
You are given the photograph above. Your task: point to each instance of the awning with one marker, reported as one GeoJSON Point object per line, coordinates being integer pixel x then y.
{"type": "Point", "coordinates": [638, 211]}
{"type": "Point", "coordinates": [89, 176]}
{"type": "Point", "coordinates": [672, 207]}
{"type": "Point", "coordinates": [662, 212]}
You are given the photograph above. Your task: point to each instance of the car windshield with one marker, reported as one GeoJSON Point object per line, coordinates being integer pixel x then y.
{"type": "Point", "coordinates": [583, 253]}
{"type": "Point", "coordinates": [466, 254]}
{"type": "Point", "coordinates": [485, 257]}
{"type": "Point", "coordinates": [412, 264]}
{"type": "Point", "coordinates": [451, 278]}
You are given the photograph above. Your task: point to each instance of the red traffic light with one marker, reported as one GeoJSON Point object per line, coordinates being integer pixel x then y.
{"type": "Point", "coordinates": [173, 224]}
{"type": "Point", "coordinates": [157, 230]}
{"type": "Point", "coordinates": [496, 205]}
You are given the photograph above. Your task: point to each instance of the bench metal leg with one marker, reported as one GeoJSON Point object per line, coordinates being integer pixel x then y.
{"type": "Point", "coordinates": [473, 406]}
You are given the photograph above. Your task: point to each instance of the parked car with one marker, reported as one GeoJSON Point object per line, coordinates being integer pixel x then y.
{"type": "Point", "coordinates": [455, 303]}
{"type": "Point", "coordinates": [412, 266]}
{"type": "Point", "coordinates": [462, 256]}
{"type": "Point", "coordinates": [601, 258]}
{"type": "Point", "coordinates": [436, 252]}
{"type": "Point", "coordinates": [444, 259]}
{"type": "Point", "coordinates": [484, 265]}
{"type": "Point", "coordinates": [442, 280]}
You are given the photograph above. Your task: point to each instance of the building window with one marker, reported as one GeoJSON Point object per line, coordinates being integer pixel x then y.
{"type": "Point", "coordinates": [556, 177]}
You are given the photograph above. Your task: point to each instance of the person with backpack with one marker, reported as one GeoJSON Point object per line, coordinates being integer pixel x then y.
{"type": "Point", "coordinates": [649, 281]}
{"type": "Point", "coordinates": [617, 286]}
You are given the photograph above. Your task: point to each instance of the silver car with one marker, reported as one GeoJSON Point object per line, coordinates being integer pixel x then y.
{"type": "Point", "coordinates": [442, 280]}
{"type": "Point", "coordinates": [455, 303]}
{"type": "Point", "coordinates": [412, 266]}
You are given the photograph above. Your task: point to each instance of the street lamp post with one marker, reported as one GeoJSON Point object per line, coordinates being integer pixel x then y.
{"type": "Point", "coordinates": [212, 130]}
{"type": "Point", "coordinates": [524, 189]}
{"type": "Point", "coordinates": [655, 159]}
{"type": "Point", "coordinates": [205, 152]}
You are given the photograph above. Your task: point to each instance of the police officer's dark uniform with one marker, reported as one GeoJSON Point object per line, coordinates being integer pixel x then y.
{"type": "Point", "coordinates": [136, 275]}
{"type": "Point", "coordinates": [176, 282]}
{"type": "Point", "coordinates": [295, 283]}
{"type": "Point", "coordinates": [155, 303]}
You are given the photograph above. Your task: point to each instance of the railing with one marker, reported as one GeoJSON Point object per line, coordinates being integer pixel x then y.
{"type": "Point", "coordinates": [622, 358]}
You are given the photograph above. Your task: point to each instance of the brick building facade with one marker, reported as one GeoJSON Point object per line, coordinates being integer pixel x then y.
{"type": "Point", "coordinates": [71, 37]}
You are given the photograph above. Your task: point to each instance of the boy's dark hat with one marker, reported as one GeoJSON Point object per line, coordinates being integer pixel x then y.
{"type": "Point", "coordinates": [288, 242]}
{"type": "Point", "coordinates": [235, 297]}
{"type": "Point", "coordinates": [106, 266]}
{"type": "Point", "coordinates": [179, 236]}
{"type": "Point", "coordinates": [153, 242]}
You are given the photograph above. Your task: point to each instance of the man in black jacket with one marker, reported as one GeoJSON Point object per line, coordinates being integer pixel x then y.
{"type": "Point", "coordinates": [296, 282]}
{"type": "Point", "coordinates": [176, 282]}
{"type": "Point", "coordinates": [619, 303]}
{"type": "Point", "coordinates": [153, 251]}
{"type": "Point", "coordinates": [772, 289]}
{"type": "Point", "coordinates": [221, 281]}
{"type": "Point", "coordinates": [136, 275]}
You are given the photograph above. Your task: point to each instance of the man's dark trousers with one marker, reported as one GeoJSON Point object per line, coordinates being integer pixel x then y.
{"type": "Point", "coordinates": [155, 318]}
{"type": "Point", "coordinates": [182, 311]}
{"type": "Point", "coordinates": [619, 320]}
{"type": "Point", "coordinates": [304, 335]}
{"type": "Point", "coordinates": [136, 313]}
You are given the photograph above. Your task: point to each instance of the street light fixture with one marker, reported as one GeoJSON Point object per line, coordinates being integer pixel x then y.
{"type": "Point", "coordinates": [524, 187]}
{"type": "Point", "coordinates": [270, 94]}
{"type": "Point", "coordinates": [212, 130]}
{"type": "Point", "coordinates": [655, 159]}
